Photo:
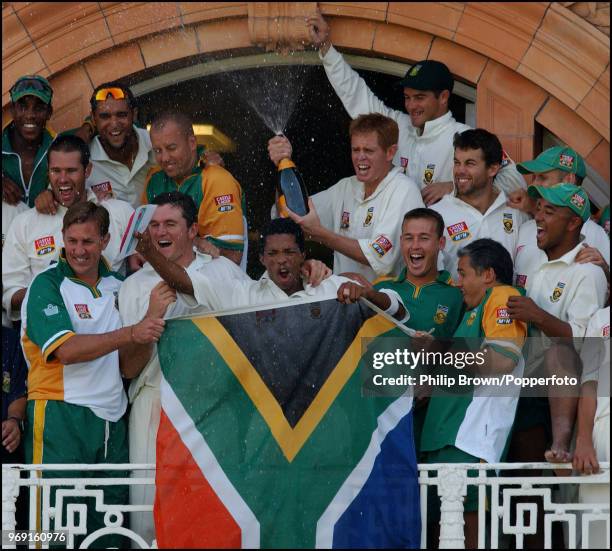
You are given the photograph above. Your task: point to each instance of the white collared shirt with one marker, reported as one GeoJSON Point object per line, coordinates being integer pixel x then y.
{"type": "Point", "coordinates": [464, 224]}
{"type": "Point", "coordinates": [34, 240]}
{"type": "Point", "coordinates": [375, 221]}
{"type": "Point", "coordinates": [125, 184]}
{"type": "Point", "coordinates": [426, 157]}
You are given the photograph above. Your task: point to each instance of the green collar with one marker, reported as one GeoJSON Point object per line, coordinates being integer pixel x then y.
{"type": "Point", "coordinates": [47, 137]}
{"type": "Point", "coordinates": [443, 277]}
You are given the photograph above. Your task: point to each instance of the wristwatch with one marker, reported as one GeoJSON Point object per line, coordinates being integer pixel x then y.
{"type": "Point", "coordinates": [20, 422]}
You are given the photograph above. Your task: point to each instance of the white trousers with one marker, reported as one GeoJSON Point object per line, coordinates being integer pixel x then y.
{"type": "Point", "coordinates": [143, 425]}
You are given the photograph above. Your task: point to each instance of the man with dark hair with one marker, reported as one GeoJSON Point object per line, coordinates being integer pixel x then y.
{"type": "Point", "coordinates": [74, 344]}
{"type": "Point", "coordinates": [475, 426]}
{"type": "Point", "coordinates": [359, 218]}
{"type": "Point", "coordinates": [216, 193]}
{"type": "Point", "coordinates": [173, 230]}
{"type": "Point", "coordinates": [428, 127]}
{"type": "Point", "coordinates": [562, 295]}
{"type": "Point", "coordinates": [476, 209]}
{"type": "Point", "coordinates": [25, 140]}
{"type": "Point", "coordinates": [551, 167]}
{"type": "Point", "coordinates": [34, 239]}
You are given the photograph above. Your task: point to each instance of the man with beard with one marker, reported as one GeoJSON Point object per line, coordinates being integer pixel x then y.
{"type": "Point", "coordinates": [476, 209]}
{"type": "Point", "coordinates": [34, 240]}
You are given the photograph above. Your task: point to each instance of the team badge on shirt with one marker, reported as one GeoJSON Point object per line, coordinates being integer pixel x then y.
{"type": "Point", "coordinates": [458, 232]}
{"type": "Point", "coordinates": [223, 202]}
{"type": "Point", "coordinates": [382, 245]}
{"type": "Point", "coordinates": [605, 332]}
{"type": "Point", "coordinates": [441, 314]}
{"type": "Point", "coordinates": [345, 222]}
{"type": "Point", "coordinates": [368, 218]}
{"type": "Point", "coordinates": [471, 318]}
{"type": "Point", "coordinates": [521, 279]}
{"type": "Point", "coordinates": [428, 174]}
{"type": "Point", "coordinates": [44, 245]}
{"type": "Point", "coordinates": [82, 311]}
{"type": "Point", "coordinates": [557, 292]}
{"type": "Point", "coordinates": [503, 318]}
{"type": "Point", "coordinates": [51, 310]}
{"type": "Point", "coordinates": [566, 160]}
{"type": "Point", "coordinates": [508, 222]}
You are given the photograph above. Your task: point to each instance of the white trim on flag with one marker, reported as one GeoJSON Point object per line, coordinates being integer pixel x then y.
{"type": "Point", "coordinates": [354, 483]}
{"type": "Point", "coordinates": [211, 470]}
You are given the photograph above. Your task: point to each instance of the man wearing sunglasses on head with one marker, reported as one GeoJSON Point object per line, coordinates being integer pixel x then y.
{"type": "Point", "coordinates": [25, 140]}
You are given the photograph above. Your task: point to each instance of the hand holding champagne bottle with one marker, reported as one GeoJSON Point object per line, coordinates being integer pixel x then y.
{"type": "Point", "coordinates": [290, 188]}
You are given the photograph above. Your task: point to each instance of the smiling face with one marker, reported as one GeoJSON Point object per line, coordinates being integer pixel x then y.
{"type": "Point", "coordinates": [555, 226]}
{"type": "Point", "coordinates": [30, 115]}
{"type": "Point", "coordinates": [174, 151]}
{"type": "Point", "coordinates": [67, 176]}
{"type": "Point", "coordinates": [171, 235]}
{"type": "Point", "coordinates": [283, 260]}
{"type": "Point", "coordinates": [470, 172]}
{"type": "Point", "coordinates": [114, 120]}
{"type": "Point", "coordinates": [370, 161]}
{"type": "Point", "coordinates": [83, 245]}
{"type": "Point", "coordinates": [423, 105]}
{"type": "Point", "coordinates": [420, 246]}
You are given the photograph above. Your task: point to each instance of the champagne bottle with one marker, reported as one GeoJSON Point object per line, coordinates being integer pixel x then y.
{"type": "Point", "coordinates": [290, 190]}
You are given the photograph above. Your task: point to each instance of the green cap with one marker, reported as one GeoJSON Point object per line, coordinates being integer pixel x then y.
{"type": "Point", "coordinates": [428, 75]}
{"type": "Point", "coordinates": [564, 195]}
{"type": "Point", "coordinates": [560, 158]}
{"type": "Point", "coordinates": [32, 85]}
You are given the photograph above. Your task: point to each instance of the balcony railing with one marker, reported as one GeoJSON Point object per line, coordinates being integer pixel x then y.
{"type": "Point", "coordinates": [495, 519]}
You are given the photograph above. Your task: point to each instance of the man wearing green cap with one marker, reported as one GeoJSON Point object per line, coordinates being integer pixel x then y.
{"type": "Point", "coordinates": [555, 165]}
{"type": "Point", "coordinates": [562, 295]}
{"type": "Point", "coordinates": [425, 147]}
{"type": "Point", "coordinates": [25, 140]}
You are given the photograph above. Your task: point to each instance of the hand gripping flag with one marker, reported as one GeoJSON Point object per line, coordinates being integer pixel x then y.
{"type": "Point", "coordinates": [265, 440]}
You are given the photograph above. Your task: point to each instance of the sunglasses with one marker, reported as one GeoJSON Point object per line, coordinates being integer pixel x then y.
{"type": "Point", "coordinates": [115, 93]}
{"type": "Point", "coordinates": [31, 84]}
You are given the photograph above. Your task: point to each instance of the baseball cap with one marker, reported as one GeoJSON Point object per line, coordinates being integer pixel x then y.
{"type": "Point", "coordinates": [561, 158]}
{"type": "Point", "coordinates": [564, 195]}
{"type": "Point", "coordinates": [428, 75]}
{"type": "Point", "coordinates": [32, 85]}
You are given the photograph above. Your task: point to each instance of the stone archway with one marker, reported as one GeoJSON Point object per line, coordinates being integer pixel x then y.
{"type": "Point", "coordinates": [531, 63]}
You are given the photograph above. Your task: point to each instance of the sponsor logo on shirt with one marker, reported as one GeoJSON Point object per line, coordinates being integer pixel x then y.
{"type": "Point", "coordinates": [471, 318]}
{"type": "Point", "coordinates": [345, 222]}
{"type": "Point", "coordinates": [382, 246]}
{"type": "Point", "coordinates": [82, 311]}
{"type": "Point", "coordinates": [44, 245]}
{"type": "Point", "coordinates": [458, 232]}
{"type": "Point", "coordinates": [557, 292]}
{"type": "Point", "coordinates": [503, 318]}
{"type": "Point", "coordinates": [368, 218]}
{"type": "Point", "coordinates": [566, 160]}
{"type": "Point", "coordinates": [224, 199]}
{"type": "Point", "coordinates": [521, 279]}
{"type": "Point", "coordinates": [441, 314]}
{"type": "Point", "coordinates": [508, 222]}
{"type": "Point", "coordinates": [605, 332]}
{"type": "Point", "coordinates": [51, 310]}
{"type": "Point", "coordinates": [103, 190]}
{"type": "Point", "coordinates": [428, 174]}
{"type": "Point", "coordinates": [223, 202]}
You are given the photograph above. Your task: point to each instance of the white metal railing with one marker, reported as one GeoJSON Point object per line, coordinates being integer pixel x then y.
{"type": "Point", "coordinates": [451, 480]}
